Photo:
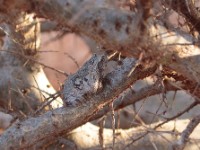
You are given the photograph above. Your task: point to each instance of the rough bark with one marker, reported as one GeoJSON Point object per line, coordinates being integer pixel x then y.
{"type": "Point", "coordinates": [118, 30]}
{"type": "Point", "coordinates": [93, 87]}
{"type": "Point", "coordinates": [65, 119]}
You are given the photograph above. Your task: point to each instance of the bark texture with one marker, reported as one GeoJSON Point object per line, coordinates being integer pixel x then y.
{"type": "Point", "coordinates": [149, 47]}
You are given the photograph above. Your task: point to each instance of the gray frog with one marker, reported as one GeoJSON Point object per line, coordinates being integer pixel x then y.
{"type": "Point", "coordinates": [87, 81]}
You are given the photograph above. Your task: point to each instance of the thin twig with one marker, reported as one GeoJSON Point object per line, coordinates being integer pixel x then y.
{"type": "Point", "coordinates": [113, 124]}
{"type": "Point", "coordinates": [169, 119]}
{"type": "Point", "coordinates": [179, 114]}
{"type": "Point", "coordinates": [40, 63]}
{"type": "Point", "coordinates": [47, 102]}
{"type": "Point", "coordinates": [101, 129]}
{"type": "Point", "coordinates": [180, 144]}
{"type": "Point", "coordinates": [65, 53]}
{"type": "Point", "coordinates": [41, 95]}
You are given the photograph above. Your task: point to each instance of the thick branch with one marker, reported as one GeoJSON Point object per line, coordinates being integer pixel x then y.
{"type": "Point", "coordinates": [119, 30]}
{"type": "Point", "coordinates": [65, 119]}
{"type": "Point", "coordinates": [116, 30]}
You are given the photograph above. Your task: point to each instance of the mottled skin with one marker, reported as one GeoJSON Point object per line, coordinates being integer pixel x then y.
{"type": "Point", "coordinates": [87, 81]}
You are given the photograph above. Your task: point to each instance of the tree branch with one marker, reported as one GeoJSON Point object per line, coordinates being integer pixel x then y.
{"type": "Point", "coordinates": [118, 30]}
{"type": "Point", "coordinates": [63, 120]}
{"type": "Point", "coordinates": [181, 143]}
{"type": "Point", "coordinates": [91, 88]}
{"type": "Point", "coordinates": [86, 136]}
